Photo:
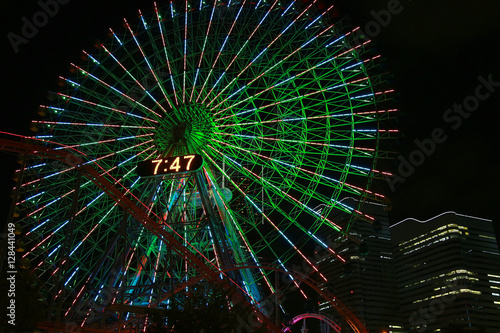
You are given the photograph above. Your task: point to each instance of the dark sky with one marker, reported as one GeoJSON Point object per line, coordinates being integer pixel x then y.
{"type": "Point", "coordinates": [435, 49]}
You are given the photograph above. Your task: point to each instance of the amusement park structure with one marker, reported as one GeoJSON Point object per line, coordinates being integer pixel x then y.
{"type": "Point", "coordinates": [197, 147]}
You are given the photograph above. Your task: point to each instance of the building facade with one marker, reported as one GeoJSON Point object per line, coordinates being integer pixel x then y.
{"type": "Point", "coordinates": [366, 281]}
{"type": "Point", "coordinates": [448, 273]}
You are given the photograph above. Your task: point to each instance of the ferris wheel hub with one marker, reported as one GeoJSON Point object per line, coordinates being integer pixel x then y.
{"type": "Point", "coordinates": [191, 126]}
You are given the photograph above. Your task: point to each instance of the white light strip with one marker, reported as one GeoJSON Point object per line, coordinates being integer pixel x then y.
{"type": "Point", "coordinates": [435, 217]}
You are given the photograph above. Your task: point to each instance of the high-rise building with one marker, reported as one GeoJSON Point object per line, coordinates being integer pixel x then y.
{"type": "Point", "coordinates": [365, 282]}
{"type": "Point", "coordinates": [448, 272]}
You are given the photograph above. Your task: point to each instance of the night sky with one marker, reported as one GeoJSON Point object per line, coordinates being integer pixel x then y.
{"type": "Point", "coordinates": [436, 51]}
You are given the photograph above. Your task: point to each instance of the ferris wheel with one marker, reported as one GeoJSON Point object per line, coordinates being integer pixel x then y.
{"type": "Point", "coordinates": [237, 127]}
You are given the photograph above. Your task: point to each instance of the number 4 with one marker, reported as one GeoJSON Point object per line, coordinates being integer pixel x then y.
{"type": "Point", "coordinates": [175, 164]}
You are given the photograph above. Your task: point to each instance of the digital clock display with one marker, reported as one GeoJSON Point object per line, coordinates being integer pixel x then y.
{"type": "Point", "coordinates": [169, 165]}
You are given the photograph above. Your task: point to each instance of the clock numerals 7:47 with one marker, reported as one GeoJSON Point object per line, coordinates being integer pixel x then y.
{"type": "Point", "coordinates": [179, 163]}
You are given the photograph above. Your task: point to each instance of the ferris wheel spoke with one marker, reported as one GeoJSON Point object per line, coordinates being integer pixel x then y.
{"type": "Point", "coordinates": [186, 8]}
{"type": "Point", "coordinates": [89, 124]}
{"type": "Point", "coordinates": [259, 54]}
{"type": "Point", "coordinates": [258, 76]}
{"type": "Point", "coordinates": [52, 232]}
{"type": "Point", "coordinates": [89, 234]}
{"type": "Point", "coordinates": [311, 93]}
{"type": "Point", "coordinates": [314, 157]}
{"type": "Point", "coordinates": [161, 28]}
{"type": "Point", "coordinates": [245, 44]}
{"type": "Point", "coordinates": [307, 233]}
{"type": "Point", "coordinates": [312, 146]}
{"type": "Point", "coordinates": [90, 105]}
{"type": "Point", "coordinates": [221, 50]}
{"type": "Point", "coordinates": [264, 215]}
{"type": "Point", "coordinates": [77, 213]}
{"type": "Point", "coordinates": [276, 68]}
{"type": "Point", "coordinates": [100, 142]}
{"type": "Point", "coordinates": [202, 53]}
{"type": "Point", "coordinates": [115, 90]}
{"type": "Point", "coordinates": [39, 179]}
{"type": "Point", "coordinates": [113, 154]}
{"type": "Point", "coordinates": [145, 58]}
{"type": "Point", "coordinates": [134, 79]}
{"type": "Point", "coordinates": [285, 168]}
{"type": "Point", "coordinates": [307, 175]}
{"type": "Point", "coordinates": [284, 195]}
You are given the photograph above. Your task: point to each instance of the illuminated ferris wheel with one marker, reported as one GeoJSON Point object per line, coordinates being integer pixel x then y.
{"type": "Point", "coordinates": [228, 124]}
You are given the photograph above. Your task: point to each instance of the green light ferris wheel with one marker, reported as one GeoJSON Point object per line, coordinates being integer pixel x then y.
{"type": "Point", "coordinates": [278, 99]}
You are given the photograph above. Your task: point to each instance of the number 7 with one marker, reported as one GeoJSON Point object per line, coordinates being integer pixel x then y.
{"type": "Point", "coordinates": [191, 158]}
{"type": "Point", "coordinates": [158, 162]}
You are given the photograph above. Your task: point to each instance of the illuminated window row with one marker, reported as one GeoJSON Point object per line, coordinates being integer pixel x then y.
{"type": "Point", "coordinates": [455, 279]}
{"type": "Point", "coordinates": [434, 236]}
{"type": "Point", "coordinates": [453, 292]}
{"type": "Point", "coordinates": [458, 271]}
{"type": "Point", "coordinates": [428, 244]}
{"type": "Point", "coordinates": [488, 237]}
{"type": "Point", "coordinates": [436, 230]}
{"type": "Point", "coordinates": [462, 278]}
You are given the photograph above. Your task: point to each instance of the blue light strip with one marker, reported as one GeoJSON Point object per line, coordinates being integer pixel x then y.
{"type": "Point", "coordinates": [216, 83]}
{"type": "Point", "coordinates": [95, 299]}
{"type": "Point", "coordinates": [351, 66]}
{"type": "Point", "coordinates": [289, 6]}
{"type": "Point", "coordinates": [38, 226]}
{"type": "Point", "coordinates": [261, 52]}
{"type": "Point", "coordinates": [237, 91]}
{"type": "Point", "coordinates": [244, 112]}
{"type": "Point", "coordinates": [143, 22]}
{"type": "Point", "coordinates": [60, 227]}
{"type": "Point", "coordinates": [72, 83]}
{"type": "Point", "coordinates": [34, 196]}
{"type": "Point", "coordinates": [335, 41]}
{"type": "Point", "coordinates": [116, 37]}
{"type": "Point", "coordinates": [317, 239]}
{"type": "Point", "coordinates": [362, 96]}
{"type": "Point", "coordinates": [361, 168]}
{"type": "Point", "coordinates": [35, 166]}
{"type": "Point", "coordinates": [128, 159]}
{"type": "Point", "coordinates": [54, 250]}
{"type": "Point", "coordinates": [76, 270]}
{"type": "Point", "coordinates": [284, 81]}
{"type": "Point", "coordinates": [314, 21]}
{"type": "Point", "coordinates": [96, 198]}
